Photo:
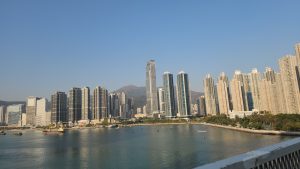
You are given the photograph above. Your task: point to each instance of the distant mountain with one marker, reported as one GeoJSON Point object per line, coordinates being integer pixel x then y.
{"type": "Point", "coordinates": [139, 94]}
{"type": "Point", "coordinates": [195, 95]}
{"type": "Point", "coordinates": [7, 103]}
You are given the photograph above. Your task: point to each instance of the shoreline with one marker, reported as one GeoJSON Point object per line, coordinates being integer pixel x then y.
{"type": "Point", "coordinates": [264, 132]}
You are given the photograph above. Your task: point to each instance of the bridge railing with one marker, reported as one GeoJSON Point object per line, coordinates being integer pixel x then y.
{"type": "Point", "coordinates": [285, 155]}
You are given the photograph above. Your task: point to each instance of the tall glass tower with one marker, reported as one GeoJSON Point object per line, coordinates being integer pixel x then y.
{"type": "Point", "coordinates": [151, 90]}
{"type": "Point", "coordinates": [169, 95]}
{"type": "Point", "coordinates": [183, 95]}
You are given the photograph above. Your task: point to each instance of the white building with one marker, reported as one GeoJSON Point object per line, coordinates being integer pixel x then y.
{"type": "Point", "coordinates": [41, 113]}
{"type": "Point", "coordinates": [14, 115]}
{"type": "Point", "coordinates": [210, 96]}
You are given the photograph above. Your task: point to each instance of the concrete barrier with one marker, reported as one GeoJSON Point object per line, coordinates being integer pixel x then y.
{"type": "Point", "coordinates": [285, 155]}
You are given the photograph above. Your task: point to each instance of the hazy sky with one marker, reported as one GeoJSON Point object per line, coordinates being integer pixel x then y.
{"type": "Point", "coordinates": [58, 44]}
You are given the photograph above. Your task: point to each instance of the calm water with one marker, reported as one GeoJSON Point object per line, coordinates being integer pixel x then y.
{"type": "Point", "coordinates": [172, 146]}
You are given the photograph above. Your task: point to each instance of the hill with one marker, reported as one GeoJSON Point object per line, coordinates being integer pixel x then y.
{"type": "Point", "coordinates": [7, 103]}
{"type": "Point", "coordinates": [139, 94]}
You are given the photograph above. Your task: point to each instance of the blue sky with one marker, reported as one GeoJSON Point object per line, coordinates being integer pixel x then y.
{"type": "Point", "coordinates": [57, 44]}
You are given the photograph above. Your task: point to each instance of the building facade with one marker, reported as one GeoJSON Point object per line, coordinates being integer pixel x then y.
{"type": "Point", "coordinates": [223, 94]}
{"type": "Point", "coordinates": [14, 115]}
{"type": "Point", "coordinates": [74, 105]}
{"type": "Point", "coordinates": [170, 107]}
{"type": "Point", "coordinates": [42, 112]}
{"type": "Point", "coordinates": [85, 103]}
{"type": "Point", "coordinates": [151, 90]}
{"type": "Point", "coordinates": [31, 110]}
{"type": "Point", "coordinates": [59, 109]}
{"type": "Point", "coordinates": [210, 96]}
{"type": "Point", "coordinates": [183, 95]}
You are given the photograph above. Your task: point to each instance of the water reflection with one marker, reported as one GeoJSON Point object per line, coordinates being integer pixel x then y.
{"type": "Point", "coordinates": [171, 146]}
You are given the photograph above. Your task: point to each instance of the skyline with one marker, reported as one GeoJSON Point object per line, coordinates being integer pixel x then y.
{"type": "Point", "coordinates": [37, 47]}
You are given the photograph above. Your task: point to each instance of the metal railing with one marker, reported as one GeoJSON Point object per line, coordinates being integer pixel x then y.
{"type": "Point", "coordinates": [285, 155]}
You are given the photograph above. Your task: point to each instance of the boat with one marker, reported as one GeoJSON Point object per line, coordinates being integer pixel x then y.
{"type": "Point", "coordinates": [18, 134]}
{"type": "Point", "coordinates": [113, 126]}
{"type": "Point", "coordinates": [2, 133]}
{"type": "Point", "coordinates": [50, 131]}
{"type": "Point", "coordinates": [61, 130]}
{"type": "Point", "coordinates": [201, 131]}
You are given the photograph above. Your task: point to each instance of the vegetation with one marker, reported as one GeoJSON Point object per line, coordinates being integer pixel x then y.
{"type": "Point", "coordinates": [265, 121]}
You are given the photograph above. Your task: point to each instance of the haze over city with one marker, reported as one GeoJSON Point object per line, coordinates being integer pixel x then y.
{"type": "Point", "coordinates": [56, 45]}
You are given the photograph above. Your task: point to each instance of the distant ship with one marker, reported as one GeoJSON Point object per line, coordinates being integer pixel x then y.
{"type": "Point", "coordinates": [50, 131]}
{"type": "Point", "coordinates": [113, 126]}
{"type": "Point", "coordinates": [2, 133]}
{"type": "Point", "coordinates": [18, 134]}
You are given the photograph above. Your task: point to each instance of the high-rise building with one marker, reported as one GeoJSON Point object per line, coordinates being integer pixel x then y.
{"type": "Point", "coordinates": [151, 91]}
{"type": "Point", "coordinates": [100, 103]}
{"type": "Point", "coordinates": [161, 100]}
{"type": "Point", "coordinates": [254, 82]}
{"type": "Point", "coordinates": [210, 96]}
{"type": "Point", "coordinates": [269, 75]}
{"type": "Point", "coordinates": [42, 112]}
{"type": "Point", "coordinates": [289, 78]}
{"type": "Point", "coordinates": [74, 105]}
{"type": "Point", "coordinates": [238, 92]}
{"type": "Point", "coordinates": [85, 104]}
{"type": "Point", "coordinates": [31, 110]}
{"type": "Point", "coordinates": [201, 106]}
{"type": "Point", "coordinates": [223, 94]}
{"type": "Point", "coordinates": [122, 105]}
{"type": "Point", "coordinates": [139, 110]}
{"type": "Point", "coordinates": [183, 95]}
{"type": "Point", "coordinates": [144, 109]}
{"type": "Point", "coordinates": [170, 107]}
{"type": "Point", "coordinates": [129, 107]}
{"type": "Point", "coordinates": [59, 109]}
{"type": "Point", "coordinates": [14, 115]}
{"type": "Point", "coordinates": [280, 94]}
{"type": "Point", "coordinates": [2, 115]}
{"type": "Point", "coordinates": [271, 93]}
{"type": "Point", "coordinates": [114, 105]}
{"type": "Point", "coordinates": [297, 52]}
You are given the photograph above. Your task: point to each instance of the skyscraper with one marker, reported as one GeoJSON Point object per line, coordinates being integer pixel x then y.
{"type": "Point", "coordinates": [41, 112]}
{"type": "Point", "coordinates": [238, 92]}
{"type": "Point", "coordinates": [210, 96]}
{"type": "Point", "coordinates": [59, 107]}
{"type": "Point", "coordinates": [202, 106]}
{"type": "Point", "coordinates": [169, 95]}
{"type": "Point", "coordinates": [223, 94]}
{"type": "Point", "coordinates": [123, 105]}
{"type": "Point", "coordinates": [85, 104]}
{"type": "Point", "coordinates": [288, 71]}
{"type": "Point", "coordinates": [183, 95]}
{"type": "Point", "coordinates": [151, 91]}
{"type": "Point", "coordinates": [161, 100]}
{"type": "Point", "coordinates": [239, 99]}
{"type": "Point", "coordinates": [114, 104]}
{"type": "Point", "coordinates": [74, 105]}
{"type": "Point", "coordinates": [31, 110]}
{"type": "Point", "coordinates": [2, 115]}
{"type": "Point", "coordinates": [254, 81]}
{"type": "Point", "coordinates": [100, 103]}
{"type": "Point", "coordinates": [297, 52]}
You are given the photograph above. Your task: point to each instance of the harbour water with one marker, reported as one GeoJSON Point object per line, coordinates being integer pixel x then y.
{"type": "Point", "coordinates": [165, 146]}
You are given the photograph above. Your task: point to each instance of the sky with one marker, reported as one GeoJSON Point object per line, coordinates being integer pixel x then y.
{"type": "Point", "coordinates": [52, 45]}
